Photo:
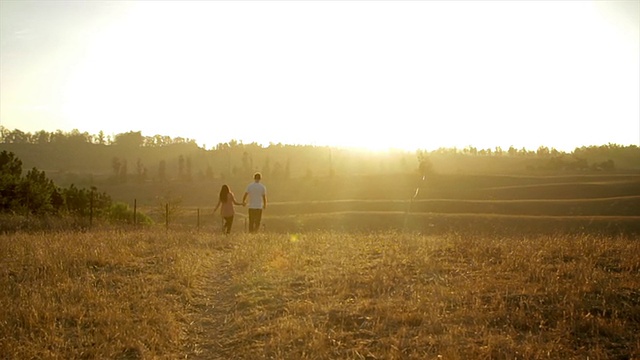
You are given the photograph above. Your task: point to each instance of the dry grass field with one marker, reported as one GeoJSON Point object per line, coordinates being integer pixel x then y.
{"type": "Point", "coordinates": [473, 267]}
{"type": "Point", "coordinates": [156, 294]}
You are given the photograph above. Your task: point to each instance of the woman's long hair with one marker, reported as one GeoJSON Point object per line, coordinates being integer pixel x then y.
{"type": "Point", "coordinates": [224, 193]}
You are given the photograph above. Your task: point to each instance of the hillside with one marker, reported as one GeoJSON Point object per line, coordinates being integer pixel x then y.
{"type": "Point", "coordinates": [321, 187]}
{"type": "Point", "coordinates": [480, 203]}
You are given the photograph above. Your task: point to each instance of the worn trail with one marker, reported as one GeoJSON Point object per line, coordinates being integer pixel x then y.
{"type": "Point", "coordinates": [212, 310]}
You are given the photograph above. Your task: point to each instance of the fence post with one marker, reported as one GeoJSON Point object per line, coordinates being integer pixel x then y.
{"type": "Point", "coordinates": [198, 223]}
{"type": "Point", "coordinates": [135, 211]}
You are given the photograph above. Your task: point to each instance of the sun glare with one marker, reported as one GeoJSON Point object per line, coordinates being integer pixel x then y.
{"type": "Point", "coordinates": [282, 80]}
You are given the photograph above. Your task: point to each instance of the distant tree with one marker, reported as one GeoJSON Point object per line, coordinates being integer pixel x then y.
{"type": "Point", "coordinates": [543, 151]}
{"type": "Point", "coordinates": [181, 166]}
{"type": "Point", "coordinates": [141, 171]}
{"type": "Point", "coordinates": [57, 200]}
{"type": "Point", "coordinates": [42, 137]}
{"type": "Point", "coordinates": [188, 167]}
{"type": "Point", "coordinates": [100, 138]}
{"type": "Point", "coordinates": [524, 152]}
{"type": "Point", "coordinates": [162, 170]}
{"type": "Point", "coordinates": [10, 164]}
{"type": "Point", "coordinates": [3, 133]}
{"type": "Point", "coordinates": [58, 137]}
{"type": "Point", "coordinates": [36, 194]}
{"type": "Point", "coordinates": [131, 139]}
{"type": "Point", "coordinates": [116, 165]}
{"type": "Point", "coordinates": [76, 137]}
{"type": "Point", "coordinates": [36, 191]}
{"type": "Point", "coordinates": [15, 137]}
{"type": "Point", "coordinates": [151, 140]}
{"type": "Point", "coordinates": [157, 140]}
{"type": "Point", "coordinates": [10, 174]}
{"type": "Point", "coordinates": [76, 200]}
{"type": "Point", "coordinates": [124, 171]}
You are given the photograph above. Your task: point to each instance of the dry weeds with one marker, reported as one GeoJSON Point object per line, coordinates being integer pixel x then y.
{"type": "Point", "coordinates": [398, 296]}
{"type": "Point", "coordinates": [319, 295]}
{"type": "Point", "coordinates": [97, 295]}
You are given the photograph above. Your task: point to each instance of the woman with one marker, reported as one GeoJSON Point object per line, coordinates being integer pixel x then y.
{"type": "Point", "coordinates": [226, 202]}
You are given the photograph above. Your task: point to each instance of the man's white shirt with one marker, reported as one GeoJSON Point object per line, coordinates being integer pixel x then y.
{"type": "Point", "coordinates": [256, 191]}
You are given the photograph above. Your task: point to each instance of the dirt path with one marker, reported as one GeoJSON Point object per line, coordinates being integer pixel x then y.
{"type": "Point", "coordinates": [212, 308]}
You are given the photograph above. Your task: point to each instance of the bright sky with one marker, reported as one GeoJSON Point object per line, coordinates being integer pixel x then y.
{"type": "Point", "coordinates": [377, 74]}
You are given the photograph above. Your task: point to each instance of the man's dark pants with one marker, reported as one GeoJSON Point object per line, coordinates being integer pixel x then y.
{"type": "Point", "coordinates": [255, 216]}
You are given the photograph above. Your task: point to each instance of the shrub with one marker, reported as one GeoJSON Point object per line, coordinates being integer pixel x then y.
{"type": "Point", "coordinates": [121, 213]}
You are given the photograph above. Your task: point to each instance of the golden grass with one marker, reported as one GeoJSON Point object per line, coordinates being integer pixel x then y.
{"type": "Point", "coordinates": [395, 296]}
{"type": "Point", "coordinates": [96, 295]}
{"type": "Point", "coordinates": [318, 295]}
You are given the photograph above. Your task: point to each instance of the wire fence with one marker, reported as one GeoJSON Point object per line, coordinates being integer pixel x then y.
{"type": "Point", "coordinates": [411, 215]}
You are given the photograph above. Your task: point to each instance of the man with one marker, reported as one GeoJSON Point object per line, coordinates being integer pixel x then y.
{"type": "Point", "coordinates": [257, 194]}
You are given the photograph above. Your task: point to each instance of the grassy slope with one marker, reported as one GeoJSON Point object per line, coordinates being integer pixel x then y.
{"type": "Point", "coordinates": [389, 187]}
{"type": "Point", "coordinates": [616, 206]}
{"type": "Point", "coordinates": [602, 203]}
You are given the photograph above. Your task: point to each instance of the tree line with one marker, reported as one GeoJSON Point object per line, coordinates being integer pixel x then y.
{"type": "Point", "coordinates": [36, 194]}
{"type": "Point", "coordinates": [132, 157]}
{"type": "Point", "coordinates": [128, 139]}
{"type": "Point", "coordinates": [134, 139]}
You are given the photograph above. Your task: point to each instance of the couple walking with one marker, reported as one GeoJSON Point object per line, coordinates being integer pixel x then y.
{"type": "Point", "coordinates": [257, 195]}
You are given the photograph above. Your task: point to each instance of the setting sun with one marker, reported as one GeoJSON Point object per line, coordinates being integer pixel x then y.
{"type": "Point", "coordinates": [374, 75]}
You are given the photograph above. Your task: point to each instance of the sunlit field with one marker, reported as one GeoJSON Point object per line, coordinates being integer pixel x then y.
{"type": "Point", "coordinates": [157, 294]}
